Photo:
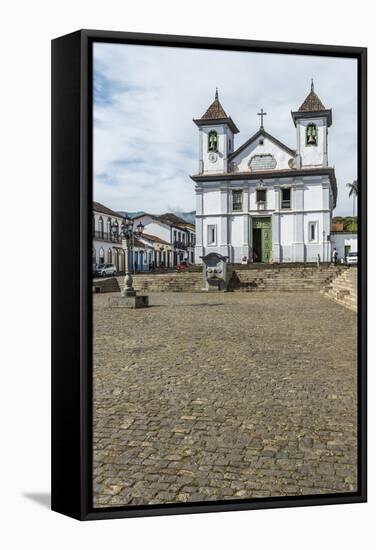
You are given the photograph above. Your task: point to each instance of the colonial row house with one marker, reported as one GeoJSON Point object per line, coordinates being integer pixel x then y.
{"type": "Point", "coordinates": [108, 243]}
{"type": "Point", "coordinates": [177, 237]}
{"type": "Point", "coordinates": [166, 240]}
{"type": "Point", "coordinates": [263, 201]}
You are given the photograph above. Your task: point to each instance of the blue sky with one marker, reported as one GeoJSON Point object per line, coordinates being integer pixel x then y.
{"type": "Point", "coordinates": [145, 97]}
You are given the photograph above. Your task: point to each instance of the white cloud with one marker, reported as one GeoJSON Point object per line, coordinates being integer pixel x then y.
{"type": "Point", "coordinates": [146, 145]}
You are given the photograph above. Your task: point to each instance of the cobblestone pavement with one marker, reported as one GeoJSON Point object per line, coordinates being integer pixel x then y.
{"type": "Point", "coordinates": [223, 396]}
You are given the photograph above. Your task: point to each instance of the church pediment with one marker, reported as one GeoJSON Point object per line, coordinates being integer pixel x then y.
{"type": "Point", "coordinates": [261, 152]}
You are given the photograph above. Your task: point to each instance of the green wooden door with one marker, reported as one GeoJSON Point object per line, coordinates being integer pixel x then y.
{"type": "Point", "coordinates": [265, 224]}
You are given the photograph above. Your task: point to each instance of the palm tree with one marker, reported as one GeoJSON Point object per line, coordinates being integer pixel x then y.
{"type": "Point", "coordinates": [353, 192]}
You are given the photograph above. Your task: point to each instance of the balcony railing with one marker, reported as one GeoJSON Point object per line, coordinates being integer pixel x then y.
{"type": "Point", "coordinates": [286, 204]}
{"type": "Point", "coordinates": [105, 236]}
{"type": "Point", "coordinates": [180, 245]}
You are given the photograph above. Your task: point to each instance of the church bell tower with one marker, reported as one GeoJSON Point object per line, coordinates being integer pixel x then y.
{"type": "Point", "coordinates": [216, 138]}
{"type": "Point", "coordinates": [312, 121]}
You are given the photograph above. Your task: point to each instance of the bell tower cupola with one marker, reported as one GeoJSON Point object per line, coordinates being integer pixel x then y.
{"type": "Point", "coordinates": [312, 121]}
{"type": "Point", "coordinates": [216, 136]}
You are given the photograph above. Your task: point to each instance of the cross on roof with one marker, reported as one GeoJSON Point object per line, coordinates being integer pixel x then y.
{"type": "Point", "coordinates": [262, 114]}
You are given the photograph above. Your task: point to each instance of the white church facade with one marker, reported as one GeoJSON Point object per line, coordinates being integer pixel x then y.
{"type": "Point", "coordinates": [265, 202]}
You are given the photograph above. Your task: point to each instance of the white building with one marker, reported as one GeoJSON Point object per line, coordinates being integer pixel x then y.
{"type": "Point", "coordinates": [264, 201]}
{"type": "Point", "coordinates": [344, 242]}
{"type": "Point", "coordinates": [176, 238]}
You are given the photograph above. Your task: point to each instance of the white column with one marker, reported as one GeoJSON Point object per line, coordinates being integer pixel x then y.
{"type": "Point", "coordinates": [298, 249]}
{"type": "Point", "coordinates": [223, 230]}
{"type": "Point", "coordinates": [276, 238]}
{"type": "Point", "coordinates": [199, 248]}
{"type": "Point", "coordinates": [246, 243]}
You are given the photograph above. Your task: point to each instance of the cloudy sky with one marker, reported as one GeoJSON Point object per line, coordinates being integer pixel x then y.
{"type": "Point", "coordinates": [145, 97]}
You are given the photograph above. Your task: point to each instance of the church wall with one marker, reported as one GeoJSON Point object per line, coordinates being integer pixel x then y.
{"type": "Point", "coordinates": [212, 221]}
{"type": "Point", "coordinates": [237, 231]}
{"type": "Point", "coordinates": [286, 237]}
{"type": "Point", "coordinates": [319, 245]}
{"type": "Point", "coordinates": [313, 198]}
{"type": "Point", "coordinates": [270, 196]}
{"type": "Point", "coordinates": [281, 156]}
{"type": "Point", "coordinates": [313, 155]}
{"type": "Point", "coordinates": [212, 201]}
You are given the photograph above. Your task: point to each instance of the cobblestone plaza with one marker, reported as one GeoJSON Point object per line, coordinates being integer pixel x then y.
{"type": "Point", "coordinates": [206, 397]}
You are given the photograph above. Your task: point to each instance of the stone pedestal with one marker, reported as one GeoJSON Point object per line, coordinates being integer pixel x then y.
{"type": "Point", "coordinates": [130, 302]}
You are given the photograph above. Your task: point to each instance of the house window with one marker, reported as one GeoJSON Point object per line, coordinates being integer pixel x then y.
{"type": "Point", "coordinates": [311, 134]}
{"type": "Point", "coordinates": [237, 200]}
{"type": "Point", "coordinates": [213, 141]}
{"type": "Point", "coordinates": [261, 197]}
{"type": "Point", "coordinates": [312, 231]}
{"type": "Point", "coordinates": [286, 198]}
{"type": "Point", "coordinates": [101, 227]}
{"type": "Point", "coordinates": [212, 234]}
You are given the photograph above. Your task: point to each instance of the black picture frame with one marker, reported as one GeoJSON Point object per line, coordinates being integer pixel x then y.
{"type": "Point", "coordinates": [71, 254]}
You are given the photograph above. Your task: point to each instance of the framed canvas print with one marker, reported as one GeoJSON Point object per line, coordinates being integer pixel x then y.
{"type": "Point", "coordinates": [209, 274]}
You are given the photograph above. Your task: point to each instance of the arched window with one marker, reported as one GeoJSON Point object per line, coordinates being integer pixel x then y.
{"type": "Point", "coordinates": [108, 228]}
{"type": "Point", "coordinates": [94, 256]}
{"type": "Point", "coordinates": [311, 134]}
{"type": "Point", "coordinates": [100, 227]}
{"type": "Point", "coordinates": [109, 256]}
{"type": "Point", "coordinates": [213, 141]}
{"type": "Point", "coordinates": [101, 256]}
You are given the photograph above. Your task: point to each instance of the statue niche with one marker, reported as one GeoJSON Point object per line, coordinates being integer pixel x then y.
{"type": "Point", "coordinates": [311, 134]}
{"type": "Point", "coordinates": [213, 141]}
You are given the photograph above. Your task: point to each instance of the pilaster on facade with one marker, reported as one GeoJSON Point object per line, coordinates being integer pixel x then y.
{"type": "Point", "coordinates": [276, 239]}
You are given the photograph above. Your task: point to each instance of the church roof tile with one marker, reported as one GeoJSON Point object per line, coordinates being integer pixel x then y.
{"type": "Point", "coordinates": [216, 114]}
{"type": "Point", "coordinates": [312, 102]}
{"type": "Point", "coordinates": [215, 110]}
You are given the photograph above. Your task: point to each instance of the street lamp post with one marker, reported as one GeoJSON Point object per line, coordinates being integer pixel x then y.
{"type": "Point", "coordinates": [128, 231]}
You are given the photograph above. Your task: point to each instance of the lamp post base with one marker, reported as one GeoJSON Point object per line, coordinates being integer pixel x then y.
{"type": "Point", "coordinates": [128, 290]}
{"type": "Point", "coordinates": [130, 302]}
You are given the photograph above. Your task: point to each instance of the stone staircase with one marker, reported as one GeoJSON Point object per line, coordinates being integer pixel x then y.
{"type": "Point", "coordinates": [344, 288]}
{"type": "Point", "coordinates": [284, 279]}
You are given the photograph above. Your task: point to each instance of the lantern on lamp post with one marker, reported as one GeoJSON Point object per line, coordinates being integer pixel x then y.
{"type": "Point", "coordinates": [127, 232]}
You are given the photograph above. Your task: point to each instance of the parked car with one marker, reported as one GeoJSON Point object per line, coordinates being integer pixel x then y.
{"type": "Point", "coordinates": [352, 258]}
{"type": "Point", "coordinates": [106, 270]}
